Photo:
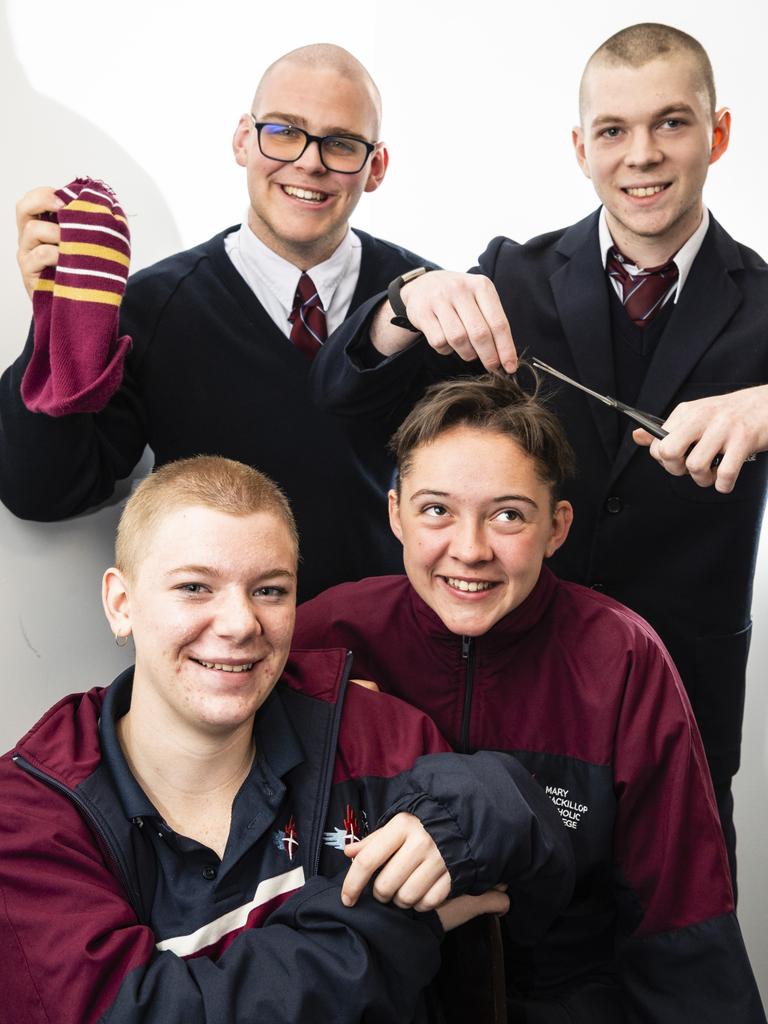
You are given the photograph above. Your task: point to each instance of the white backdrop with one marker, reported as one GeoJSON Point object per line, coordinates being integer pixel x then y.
{"type": "Point", "coordinates": [147, 95]}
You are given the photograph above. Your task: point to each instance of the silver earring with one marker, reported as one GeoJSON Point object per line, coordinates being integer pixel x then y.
{"type": "Point", "coordinates": [121, 640]}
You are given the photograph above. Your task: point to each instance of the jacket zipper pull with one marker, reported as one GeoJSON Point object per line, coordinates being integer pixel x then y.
{"type": "Point", "coordinates": [466, 644]}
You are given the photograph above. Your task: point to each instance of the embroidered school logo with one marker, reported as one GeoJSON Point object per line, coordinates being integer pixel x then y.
{"type": "Point", "coordinates": [570, 810]}
{"type": "Point", "coordinates": [287, 839]}
{"type": "Point", "coordinates": [350, 833]}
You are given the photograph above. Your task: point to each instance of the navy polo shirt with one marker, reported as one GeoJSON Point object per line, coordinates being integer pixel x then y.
{"type": "Point", "coordinates": [194, 887]}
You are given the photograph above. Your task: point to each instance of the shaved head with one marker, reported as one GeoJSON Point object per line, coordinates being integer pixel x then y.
{"type": "Point", "coordinates": [328, 56]}
{"type": "Point", "coordinates": [639, 44]}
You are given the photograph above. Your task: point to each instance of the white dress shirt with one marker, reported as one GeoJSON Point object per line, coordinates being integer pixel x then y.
{"type": "Point", "coordinates": [274, 280]}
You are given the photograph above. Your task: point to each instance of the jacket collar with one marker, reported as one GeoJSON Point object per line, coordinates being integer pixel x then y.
{"type": "Point", "coordinates": [519, 621]}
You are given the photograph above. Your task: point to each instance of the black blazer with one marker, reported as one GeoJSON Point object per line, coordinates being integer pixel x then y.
{"type": "Point", "coordinates": [680, 555]}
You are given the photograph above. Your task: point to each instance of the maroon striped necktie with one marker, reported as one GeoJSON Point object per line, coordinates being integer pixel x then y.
{"type": "Point", "coordinates": [309, 329]}
{"type": "Point", "coordinates": [644, 292]}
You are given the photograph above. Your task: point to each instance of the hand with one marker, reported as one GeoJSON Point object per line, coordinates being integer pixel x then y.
{"type": "Point", "coordinates": [459, 313]}
{"type": "Point", "coordinates": [733, 426]}
{"type": "Point", "coordinates": [456, 912]}
{"type": "Point", "coordinates": [413, 872]}
{"type": "Point", "coordinates": [38, 239]}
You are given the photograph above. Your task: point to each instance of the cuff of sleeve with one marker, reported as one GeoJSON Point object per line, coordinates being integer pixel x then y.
{"type": "Point", "coordinates": [448, 837]}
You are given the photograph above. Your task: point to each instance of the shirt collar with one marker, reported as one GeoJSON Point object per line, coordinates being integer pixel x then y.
{"type": "Point", "coordinates": [282, 277]}
{"type": "Point", "coordinates": [683, 259]}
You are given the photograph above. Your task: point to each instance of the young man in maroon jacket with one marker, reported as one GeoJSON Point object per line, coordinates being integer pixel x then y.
{"type": "Point", "coordinates": [505, 656]}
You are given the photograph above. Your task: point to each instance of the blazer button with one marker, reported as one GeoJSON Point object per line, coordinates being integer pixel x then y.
{"type": "Point", "coordinates": [209, 872]}
{"type": "Point", "coordinates": [614, 505]}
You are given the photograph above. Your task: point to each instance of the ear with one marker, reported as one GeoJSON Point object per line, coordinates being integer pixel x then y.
{"type": "Point", "coordinates": [242, 138]}
{"type": "Point", "coordinates": [577, 138]}
{"type": "Point", "coordinates": [378, 168]}
{"type": "Point", "coordinates": [721, 134]}
{"type": "Point", "coordinates": [394, 515]}
{"type": "Point", "coordinates": [116, 602]}
{"type": "Point", "coordinates": [562, 517]}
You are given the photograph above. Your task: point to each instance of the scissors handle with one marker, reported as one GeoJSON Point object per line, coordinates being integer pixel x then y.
{"type": "Point", "coordinates": [653, 424]}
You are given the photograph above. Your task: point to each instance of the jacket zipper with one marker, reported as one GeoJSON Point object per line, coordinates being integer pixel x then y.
{"type": "Point", "coordinates": [468, 657]}
{"type": "Point", "coordinates": [89, 815]}
{"type": "Point", "coordinates": [330, 761]}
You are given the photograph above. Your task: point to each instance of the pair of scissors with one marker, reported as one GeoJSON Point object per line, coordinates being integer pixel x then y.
{"type": "Point", "coordinates": [653, 424]}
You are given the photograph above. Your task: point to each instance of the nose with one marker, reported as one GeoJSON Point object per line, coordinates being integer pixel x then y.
{"type": "Point", "coordinates": [310, 161]}
{"type": "Point", "coordinates": [643, 149]}
{"type": "Point", "coordinates": [470, 543]}
{"type": "Point", "coordinates": [236, 617]}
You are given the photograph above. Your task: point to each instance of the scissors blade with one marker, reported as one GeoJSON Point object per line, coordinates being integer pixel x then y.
{"type": "Point", "coordinates": [650, 423]}
{"type": "Point", "coordinates": [569, 380]}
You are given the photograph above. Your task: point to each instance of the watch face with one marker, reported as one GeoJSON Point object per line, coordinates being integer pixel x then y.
{"type": "Point", "coordinates": [410, 274]}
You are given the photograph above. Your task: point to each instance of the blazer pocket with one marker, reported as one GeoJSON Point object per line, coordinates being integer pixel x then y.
{"type": "Point", "coordinates": [751, 482]}
{"type": "Point", "coordinates": [717, 697]}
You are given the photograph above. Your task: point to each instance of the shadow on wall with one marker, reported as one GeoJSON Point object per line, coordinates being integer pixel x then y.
{"type": "Point", "coordinates": [53, 635]}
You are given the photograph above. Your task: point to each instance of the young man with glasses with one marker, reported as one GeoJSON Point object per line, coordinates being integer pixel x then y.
{"type": "Point", "coordinates": [223, 335]}
{"type": "Point", "coordinates": [672, 546]}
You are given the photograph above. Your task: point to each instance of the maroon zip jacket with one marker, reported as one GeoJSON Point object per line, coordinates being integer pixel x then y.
{"type": "Point", "coordinates": [583, 692]}
{"type": "Point", "coordinates": [88, 935]}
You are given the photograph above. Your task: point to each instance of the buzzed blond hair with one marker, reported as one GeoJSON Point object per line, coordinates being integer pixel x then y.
{"type": "Point", "coordinates": [647, 41]}
{"type": "Point", "coordinates": [334, 58]}
{"type": "Point", "coordinates": [207, 480]}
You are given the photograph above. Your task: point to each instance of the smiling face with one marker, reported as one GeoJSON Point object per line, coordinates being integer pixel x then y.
{"type": "Point", "coordinates": [646, 140]}
{"type": "Point", "coordinates": [300, 209]}
{"type": "Point", "coordinates": [476, 522]}
{"type": "Point", "coordinates": [211, 606]}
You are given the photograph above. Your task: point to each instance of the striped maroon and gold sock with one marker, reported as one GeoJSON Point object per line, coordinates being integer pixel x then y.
{"type": "Point", "coordinates": [77, 361]}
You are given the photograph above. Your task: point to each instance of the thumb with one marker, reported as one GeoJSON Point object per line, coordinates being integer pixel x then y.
{"type": "Point", "coordinates": [642, 437]}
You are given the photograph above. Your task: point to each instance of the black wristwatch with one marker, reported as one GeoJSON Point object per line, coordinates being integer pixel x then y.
{"type": "Point", "coordinates": [393, 294]}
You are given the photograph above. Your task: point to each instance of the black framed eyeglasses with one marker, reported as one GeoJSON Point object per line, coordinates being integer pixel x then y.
{"type": "Point", "coordinates": [344, 154]}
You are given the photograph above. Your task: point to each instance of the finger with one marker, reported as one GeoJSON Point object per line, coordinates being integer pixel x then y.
{"type": "Point", "coordinates": [642, 437]}
{"type": "Point", "coordinates": [470, 334]}
{"type": "Point", "coordinates": [38, 232]}
{"type": "Point", "coordinates": [671, 452]}
{"type": "Point", "coordinates": [408, 876]}
{"type": "Point", "coordinates": [454, 331]}
{"type": "Point", "coordinates": [41, 256]}
{"type": "Point", "coordinates": [493, 314]}
{"type": "Point", "coordinates": [458, 911]}
{"type": "Point", "coordinates": [430, 327]}
{"type": "Point", "coordinates": [37, 201]}
{"type": "Point", "coordinates": [367, 860]}
{"type": "Point", "coordinates": [368, 684]}
{"type": "Point", "coordinates": [435, 895]}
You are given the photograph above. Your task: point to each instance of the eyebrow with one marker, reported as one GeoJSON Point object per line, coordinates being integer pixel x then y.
{"type": "Point", "coordinates": [207, 570]}
{"type": "Point", "coordinates": [673, 108]}
{"type": "Point", "coordinates": [301, 122]}
{"type": "Point", "coordinates": [427, 492]}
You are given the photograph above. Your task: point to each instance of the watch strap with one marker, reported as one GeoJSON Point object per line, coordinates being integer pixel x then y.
{"type": "Point", "coordinates": [400, 319]}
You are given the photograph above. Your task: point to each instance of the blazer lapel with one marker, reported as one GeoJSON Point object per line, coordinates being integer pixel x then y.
{"type": "Point", "coordinates": [581, 298]}
{"type": "Point", "coordinates": [708, 301]}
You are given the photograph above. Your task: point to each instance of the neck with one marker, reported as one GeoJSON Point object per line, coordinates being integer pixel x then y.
{"type": "Point", "coordinates": [180, 767]}
{"type": "Point", "coordinates": [654, 250]}
{"type": "Point", "coordinates": [303, 255]}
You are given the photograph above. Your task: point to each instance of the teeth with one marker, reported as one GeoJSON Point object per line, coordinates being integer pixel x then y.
{"type": "Point", "coordinates": [465, 585]}
{"type": "Point", "coordinates": [227, 668]}
{"type": "Point", "coordinates": [303, 193]}
{"type": "Point", "coordinates": [640, 192]}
